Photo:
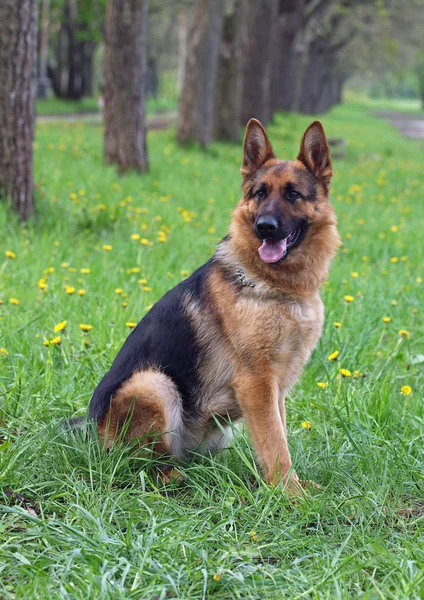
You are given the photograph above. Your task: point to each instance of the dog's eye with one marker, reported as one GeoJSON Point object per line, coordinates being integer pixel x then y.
{"type": "Point", "coordinates": [292, 196]}
{"type": "Point", "coordinates": [260, 194]}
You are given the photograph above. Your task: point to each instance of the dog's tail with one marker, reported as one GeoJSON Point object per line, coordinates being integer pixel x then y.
{"type": "Point", "coordinates": [74, 423]}
{"type": "Point", "coordinates": [82, 426]}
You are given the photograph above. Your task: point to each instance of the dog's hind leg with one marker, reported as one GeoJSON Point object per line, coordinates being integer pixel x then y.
{"type": "Point", "coordinates": [147, 407]}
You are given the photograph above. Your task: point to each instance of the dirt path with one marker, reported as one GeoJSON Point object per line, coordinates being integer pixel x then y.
{"type": "Point", "coordinates": [154, 121]}
{"type": "Point", "coordinates": [410, 125]}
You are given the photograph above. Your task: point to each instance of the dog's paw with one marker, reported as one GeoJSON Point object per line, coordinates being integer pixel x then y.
{"type": "Point", "coordinates": [169, 475]}
{"type": "Point", "coordinates": [298, 488]}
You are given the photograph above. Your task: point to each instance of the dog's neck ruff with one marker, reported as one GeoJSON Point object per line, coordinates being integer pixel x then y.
{"type": "Point", "coordinates": [242, 278]}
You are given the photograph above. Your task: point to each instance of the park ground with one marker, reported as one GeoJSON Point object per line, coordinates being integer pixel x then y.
{"type": "Point", "coordinates": [76, 522]}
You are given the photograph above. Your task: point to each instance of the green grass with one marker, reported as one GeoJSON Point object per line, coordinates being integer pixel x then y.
{"type": "Point", "coordinates": [76, 522]}
{"type": "Point", "coordinates": [57, 106]}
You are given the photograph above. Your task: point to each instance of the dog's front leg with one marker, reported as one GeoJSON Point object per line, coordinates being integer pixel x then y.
{"type": "Point", "coordinates": [259, 402]}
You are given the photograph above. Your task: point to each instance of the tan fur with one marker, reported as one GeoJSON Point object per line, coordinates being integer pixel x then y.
{"type": "Point", "coordinates": [149, 405]}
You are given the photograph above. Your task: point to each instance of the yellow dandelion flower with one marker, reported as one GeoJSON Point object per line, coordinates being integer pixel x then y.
{"type": "Point", "coordinates": [386, 319]}
{"type": "Point", "coordinates": [357, 374]}
{"type": "Point", "coordinates": [405, 390]}
{"type": "Point", "coordinates": [349, 298]}
{"type": "Point", "coordinates": [337, 324]}
{"type": "Point", "coordinates": [3, 352]}
{"type": "Point", "coordinates": [56, 341]}
{"type": "Point", "coordinates": [403, 258]}
{"type": "Point", "coordinates": [130, 324]}
{"type": "Point", "coordinates": [42, 284]}
{"type": "Point", "coordinates": [394, 228]}
{"type": "Point", "coordinates": [322, 384]}
{"type": "Point", "coordinates": [355, 274]}
{"type": "Point", "coordinates": [10, 254]}
{"type": "Point", "coordinates": [135, 236]}
{"type": "Point", "coordinates": [70, 290]}
{"type": "Point", "coordinates": [253, 536]}
{"type": "Point", "coordinates": [334, 355]}
{"type": "Point", "coordinates": [85, 328]}
{"type": "Point", "coordinates": [46, 343]}
{"type": "Point", "coordinates": [185, 272]}
{"type": "Point", "coordinates": [217, 577]}
{"type": "Point", "coordinates": [345, 372]}
{"type": "Point", "coordinates": [118, 290]}
{"type": "Point", "coordinates": [394, 259]}
{"type": "Point", "coordinates": [142, 281]}
{"type": "Point", "coordinates": [14, 301]}
{"type": "Point", "coordinates": [393, 302]}
{"type": "Point", "coordinates": [107, 247]}
{"type": "Point", "coordinates": [65, 265]}
{"type": "Point", "coordinates": [211, 230]}
{"type": "Point", "coordinates": [419, 280]}
{"type": "Point", "coordinates": [60, 326]}
{"type": "Point", "coordinates": [147, 289]}
{"type": "Point", "coordinates": [404, 333]}
{"type": "Point", "coordinates": [144, 241]}
{"type": "Point", "coordinates": [72, 270]}
{"type": "Point", "coordinates": [101, 207]}
{"type": "Point", "coordinates": [81, 292]}
{"type": "Point", "coordinates": [306, 425]}
{"type": "Point", "coordinates": [85, 271]}
{"type": "Point", "coordinates": [135, 270]}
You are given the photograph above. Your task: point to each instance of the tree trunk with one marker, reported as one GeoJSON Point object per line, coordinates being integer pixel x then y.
{"type": "Point", "coordinates": [125, 68]}
{"type": "Point", "coordinates": [283, 57]}
{"type": "Point", "coordinates": [229, 84]}
{"type": "Point", "coordinates": [197, 99]}
{"type": "Point", "coordinates": [258, 61]}
{"type": "Point", "coordinates": [43, 84]}
{"type": "Point", "coordinates": [18, 84]}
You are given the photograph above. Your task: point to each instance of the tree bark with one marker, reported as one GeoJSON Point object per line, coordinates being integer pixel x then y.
{"type": "Point", "coordinates": [283, 57]}
{"type": "Point", "coordinates": [229, 84]}
{"type": "Point", "coordinates": [258, 61]}
{"type": "Point", "coordinates": [197, 99]}
{"type": "Point", "coordinates": [125, 68]}
{"type": "Point", "coordinates": [18, 85]}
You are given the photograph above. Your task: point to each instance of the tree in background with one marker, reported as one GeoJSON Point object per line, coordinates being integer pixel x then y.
{"type": "Point", "coordinates": [124, 72]}
{"type": "Point", "coordinates": [18, 49]}
{"type": "Point", "coordinates": [229, 84]}
{"type": "Point", "coordinates": [257, 71]}
{"type": "Point", "coordinates": [197, 99]}
{"type": "Point", "coordinates": [77, 26]}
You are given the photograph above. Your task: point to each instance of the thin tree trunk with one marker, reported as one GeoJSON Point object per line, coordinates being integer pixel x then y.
{"type": "Point", "coordinates": [125, 68]}
{"type": "Point", "coordinates": [283, 72]}
{"type": "Point", "coordinates": [229, 84]}
{"type": "Point", "coordinates": [258, 61]}
{"type": "Point", "coordinates": [182, 48]}
{"type": "Point", "coordinates": [43, 84]}
{"type": "Point", "coordinates": [197, 99]}
{"type": "Point", "coordinates": [18, 85]}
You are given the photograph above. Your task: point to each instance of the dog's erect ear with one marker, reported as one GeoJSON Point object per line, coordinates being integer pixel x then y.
{"type": "Point", "coordinates": [315, 153]}
{"type": "Point", "coordinates": [257, 148]}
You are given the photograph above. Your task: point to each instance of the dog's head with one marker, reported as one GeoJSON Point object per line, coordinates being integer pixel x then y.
{"type": "Point", "coordinates": [284, 201]}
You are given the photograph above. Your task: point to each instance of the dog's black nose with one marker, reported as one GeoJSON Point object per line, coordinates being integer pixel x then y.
{"type": "Point", "coordinates": [266, 227]}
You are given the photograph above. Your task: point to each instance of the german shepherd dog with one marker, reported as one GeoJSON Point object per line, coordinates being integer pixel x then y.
{"type": "Point", "coordinates": [232, 339]}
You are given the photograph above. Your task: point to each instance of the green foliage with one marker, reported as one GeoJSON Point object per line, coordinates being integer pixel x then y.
{"type": "Point", "coordinates": [77, 522]}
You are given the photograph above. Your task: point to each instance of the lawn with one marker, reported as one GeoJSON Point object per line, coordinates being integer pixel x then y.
{"type": "Point", "coordinates": [76, 522]}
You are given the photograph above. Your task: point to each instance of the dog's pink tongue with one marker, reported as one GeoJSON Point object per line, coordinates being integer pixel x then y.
{"type": "Point", "coordinates": [271, 252]}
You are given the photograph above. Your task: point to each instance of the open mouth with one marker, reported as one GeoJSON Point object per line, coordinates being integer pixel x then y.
{"type": "Point", "coordinates": [273, 251]}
